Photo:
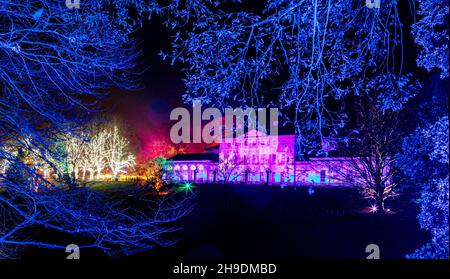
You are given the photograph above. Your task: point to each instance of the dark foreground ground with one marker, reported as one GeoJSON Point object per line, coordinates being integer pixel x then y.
{"type": "Point", "coordinates": [270, 223]}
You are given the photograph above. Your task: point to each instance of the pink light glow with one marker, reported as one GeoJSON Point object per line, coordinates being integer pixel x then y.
{"type": "Point", "coordinates": [148, 126]}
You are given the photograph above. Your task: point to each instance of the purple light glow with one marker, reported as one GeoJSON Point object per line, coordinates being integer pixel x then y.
{"type": "Point", "coordinates": [256, 157]}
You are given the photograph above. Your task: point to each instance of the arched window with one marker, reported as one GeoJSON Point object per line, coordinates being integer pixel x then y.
{"type": "Point", "coordinates": [277, 177]}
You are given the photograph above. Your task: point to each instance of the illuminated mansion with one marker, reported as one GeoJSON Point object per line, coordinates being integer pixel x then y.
{"type": "Point", "coordinates": [257, 158]}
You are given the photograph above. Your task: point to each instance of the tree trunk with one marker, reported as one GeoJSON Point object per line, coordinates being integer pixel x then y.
{"type": "Point", "coordinates": [115, 176]}
{"type": "Point", "coordinates": [97, 173]}
{"type": "Point", "coordinates": [75, 172]}
{"type": "Point", "coordinates": [379, 200]}
{"type": "Point", "coordinates": [83, 174]}
{"type": "Point", "coordinates": [45, 172]}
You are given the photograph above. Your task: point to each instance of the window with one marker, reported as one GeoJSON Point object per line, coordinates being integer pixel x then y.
{"type": "Point", "coordinates": [256, 178]}
{"type": "Point", "coordinates": [283, 158]}
{"type": "Point", "coordinates": [323, 176]}
{"type": "Point", "coordinates": [264, 158]}
{"type": "Point", "coordinates": [277, 177]}
{"type": "Point", "coordinates": [274, 158]}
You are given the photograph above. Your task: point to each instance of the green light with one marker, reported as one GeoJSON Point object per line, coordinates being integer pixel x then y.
{"type": "Point", "coordinates": [187, 187]}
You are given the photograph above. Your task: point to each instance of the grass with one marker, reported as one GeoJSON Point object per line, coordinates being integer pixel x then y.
{"type": "Point", "coordinates": [111, 185]}
{"type": "Point", "coordinates": [263, 222]}
{"type": "Point", "coordinates": [271, 223]}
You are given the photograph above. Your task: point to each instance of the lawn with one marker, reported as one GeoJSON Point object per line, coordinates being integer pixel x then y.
{"type": "Point", "coordinates": [264, 222]}
{"type": "Point", "coordinates": [111, 185]}
{"type": "Point", "coordinates": [238, 222]}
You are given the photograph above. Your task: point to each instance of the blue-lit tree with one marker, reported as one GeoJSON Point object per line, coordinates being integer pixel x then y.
{"type": "Point", "coordinates": [114, 227]}
{"type": "Point", "coordinates": [424, 153]}
{"type": "Point", "coordinates": [304, 57]}
{"type": "Point", "coordinates": [425, 162]}
{"type": "Point", "coordinates": [431, 35]}
{"type": "Point", "coordinates": [55, 64]}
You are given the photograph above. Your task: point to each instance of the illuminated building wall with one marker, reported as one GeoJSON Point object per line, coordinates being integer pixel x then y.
{"type": "Point", "coordinates": [253, 158]}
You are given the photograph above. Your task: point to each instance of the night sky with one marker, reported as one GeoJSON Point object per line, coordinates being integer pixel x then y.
{"type": "Point", "coordinates": [146, 112]}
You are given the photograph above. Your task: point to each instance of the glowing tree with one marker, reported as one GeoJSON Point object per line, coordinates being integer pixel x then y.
{"type": "Point", "coordinates": [95, 155]}
{"type": "Point", "coordinates": [7, 153]}
{"type": "Point", "coordinates": [424, 155]}
{"type": "Point", "coordinates": [304, 57]}
{"type": "Point", "coordinates": [371, 152]}
{"type": "Point", "coordinates": [156, 172]}
{"type": "Point", "coordinates": [85, 167]}
{"type": "Point", "coordinates": [55, 63]}
{"type": "Point", "coordinates": [76, 151]}
{"type": "Point", "coordinates": [117, 156]}
{"type": "Point", "coordinates": [424, 159]}
{"type": "Point", "coordinates": [117, 229]}
{"type": "Point", "coordinates": [431, 35]}
{"type": "Point", "coordinates": [230, 167]}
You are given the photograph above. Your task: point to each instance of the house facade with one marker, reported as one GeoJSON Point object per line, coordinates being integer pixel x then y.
{"type": "Point", "coordinates": [258, 158]}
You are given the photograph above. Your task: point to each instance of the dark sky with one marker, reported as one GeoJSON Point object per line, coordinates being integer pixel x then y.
{"type": "Point", "coordinates": [146, 113]}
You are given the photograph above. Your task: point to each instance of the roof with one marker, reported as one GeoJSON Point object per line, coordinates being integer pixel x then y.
{"type": "Point", "coordinates": [212, 147]}
{"type": "Point", "coordinates": [256, 133]}
{"type": "Point", "coordinates": [196, 157]}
